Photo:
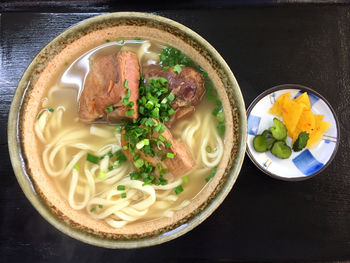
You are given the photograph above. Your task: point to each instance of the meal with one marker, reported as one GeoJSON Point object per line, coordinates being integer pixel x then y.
{"type": "Point", "coordinates": [299, 122]}
{"type": "Point", "coordinates": [138, 139]}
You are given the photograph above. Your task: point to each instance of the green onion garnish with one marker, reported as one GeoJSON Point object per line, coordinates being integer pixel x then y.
{"type": "Point", "coordinates": [220, 116]}
{"type": "Point", "coordinates": [121, 187]}
{"type": "Point", "coordinates": [92, 158]}
{"type": "Point", "coordinates": [170, 155]}
{"type": "Point", "coordinates": [139, 163]}
{"type": "Point", "coordinates": [161, 138]}
{"type": "Point", "coordinates": [178, 189]}
{"type": "Point", "coordinates": [208, 149]}
{"type": "Point", "coordinates": [126, 83]}
{"type": "Point", "coordinates": [102, 175]}
{"type": "Point", "coordinates": [168, 144]}
{"type": "Point", "coordinates": [100, 206]}
{"type": "Point", "coordinates": [185, 179]}
{"type": "Point", "coordinates": [177, 69]}
{"type": "Point", "coordinates": [171, 111]}
{"type": "Point", "coordinates": [109, 109]}
{"type": "Point", "coordinates": [129, 112]}
{"type": "Point", "coordinates": [211, 175]}
{"type": "Point", "coordinates": [170, 97]}
{"type": "Point", "coordinates": [93, 209]}
{"type": "Point", "coordinates": [221, 128]}
{"type": "Point", "coordinates": [50, 109]}
{"type": "Point", "coordinates": [123, 195]}
{"type": "Point", "coordinates": [76, 167]}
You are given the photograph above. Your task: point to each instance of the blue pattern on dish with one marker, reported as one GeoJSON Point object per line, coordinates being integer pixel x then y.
{"type": "Point", "coordinates": [253, 124]}
{"type": "Point", "coordinates": [307, 163]}
{"type": "Point", "coordinates": [313, 98]}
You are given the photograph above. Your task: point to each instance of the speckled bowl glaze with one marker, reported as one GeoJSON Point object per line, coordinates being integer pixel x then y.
{"type": "Point", "coordinates": [86, 35]}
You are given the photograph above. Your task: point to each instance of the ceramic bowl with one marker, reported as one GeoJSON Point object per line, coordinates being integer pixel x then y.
{"type": "Point", "coordinates": [71, 44]}
{"type": "Point", "coordinates": [300, 165]}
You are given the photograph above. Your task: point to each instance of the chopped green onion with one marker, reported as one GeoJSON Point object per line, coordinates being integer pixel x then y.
{"type": "Point", "coordinates": [107, 40]}
{"type": "Point", "coordinates": [134, 175]}
{"type": "Point", "coordinates": [171, 111]}
{"type": "Point", "coordinates": [161, 138]}
{"type": "Point", "coordinates": [170, 155]}
{"type": "Point", "coordinates": [136, 156]}
{"type": "Point", "coordinates": [178, 189]}
{"type": "Point", "coordinates": [93, 209]}
{"type": "Point", "coordinates": [39, 115]}
{"type": "Point", "coordinates": [139, 163]}
{"type": "Point", "coordinates": [220, 116]}
{"type": "Point", "coordinates": [185, 179]}
{"type": "Point", "coordinates": [110, 154]}
{"type": "Point", "coordinates": [142, 143]}
{"type": "Point", "coordinates": [50, 109]}
{"type": "Point", "coordinates": [102, 175]}
{"type": "Point", "coordinates": [208, 149]}
{"type": "Point", "coordinates": [100, 206]}
{"type": "Point", "coordinates": [123, 195]}
{"type": "Point", "coordinates": [92, 158]}
{"type": "Point", "coordinates": [121, 187]}
{"type": "Point", "coordinates": [129, 112]}
{"type": "Point", "coordinates": [211, 175]}
{"type": "Point", "coordinates": [163, 81]}
{"type": "Point", "coordinates": [125, 147]}
{"type": "Point", "coordinates": [168, 144]}
{"type": "Point", "coordinates": [170, 97]}
{"type": "Point", "coordinates": [101, 158]}
{"type": "Point", "coordinates": [126, 83]}
{"type": "Point", "coordinates": [109, 109]}
{"type": "Point", "coordinates": [110, 168]}
{"type": "Point", "coordinates": [76, 167]}
{"type": "Point", "coordinates": [221, 128]}
{"type": "Point", "coordinates": [177, 69]}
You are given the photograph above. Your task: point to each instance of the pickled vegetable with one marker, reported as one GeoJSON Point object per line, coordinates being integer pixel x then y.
{"type": "Point", "coordinates": [260, 144]}
{"type": "Point", "coordinates": [281, 150]}
{"type": "Point", "coordinates": [301, 142]}
{"type": "Point", "coordinates": [279, 131]}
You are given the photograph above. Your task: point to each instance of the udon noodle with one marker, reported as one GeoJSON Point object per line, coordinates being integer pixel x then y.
{"type": "Point", "coordinates": [65, 142]}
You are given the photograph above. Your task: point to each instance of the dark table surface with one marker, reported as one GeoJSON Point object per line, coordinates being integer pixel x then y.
{"type": "Point", "coordinates": [262, 218]}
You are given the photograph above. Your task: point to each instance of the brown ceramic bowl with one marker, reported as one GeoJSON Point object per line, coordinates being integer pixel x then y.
{"type": "Point", "coordinates": [23, 147]}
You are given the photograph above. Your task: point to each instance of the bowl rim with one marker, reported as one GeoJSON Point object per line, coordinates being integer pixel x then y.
{"type": "Point", "coordinates": [301, 88]}
{"type": "Point", "coordinates": [16, 151]}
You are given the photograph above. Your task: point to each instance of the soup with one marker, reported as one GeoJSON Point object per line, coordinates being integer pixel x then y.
{"type": "Point", "coordinates": [137, 147]}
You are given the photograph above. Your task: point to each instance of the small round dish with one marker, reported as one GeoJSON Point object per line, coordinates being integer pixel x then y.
{"type": "Point", "coordinates": [300, 165]}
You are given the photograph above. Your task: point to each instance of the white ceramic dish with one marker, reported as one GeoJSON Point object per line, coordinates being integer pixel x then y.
{"type": "Point", "coordinates": [300, 165]}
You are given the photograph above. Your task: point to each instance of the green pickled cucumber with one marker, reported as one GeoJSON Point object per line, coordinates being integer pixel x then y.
{"type": "Point", "coordinates": [260, 144]}
{"type": "Point", "coordinates": [281, 150]}
{"type": "Point", "coordinates": [279, 130]}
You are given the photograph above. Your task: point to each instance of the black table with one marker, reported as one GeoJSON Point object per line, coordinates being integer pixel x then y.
{"type": "Point", "coordinates": [262, 218]}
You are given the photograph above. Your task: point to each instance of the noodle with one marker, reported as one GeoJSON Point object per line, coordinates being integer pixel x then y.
{"type": "Point", "coordinates": [93, 188]}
